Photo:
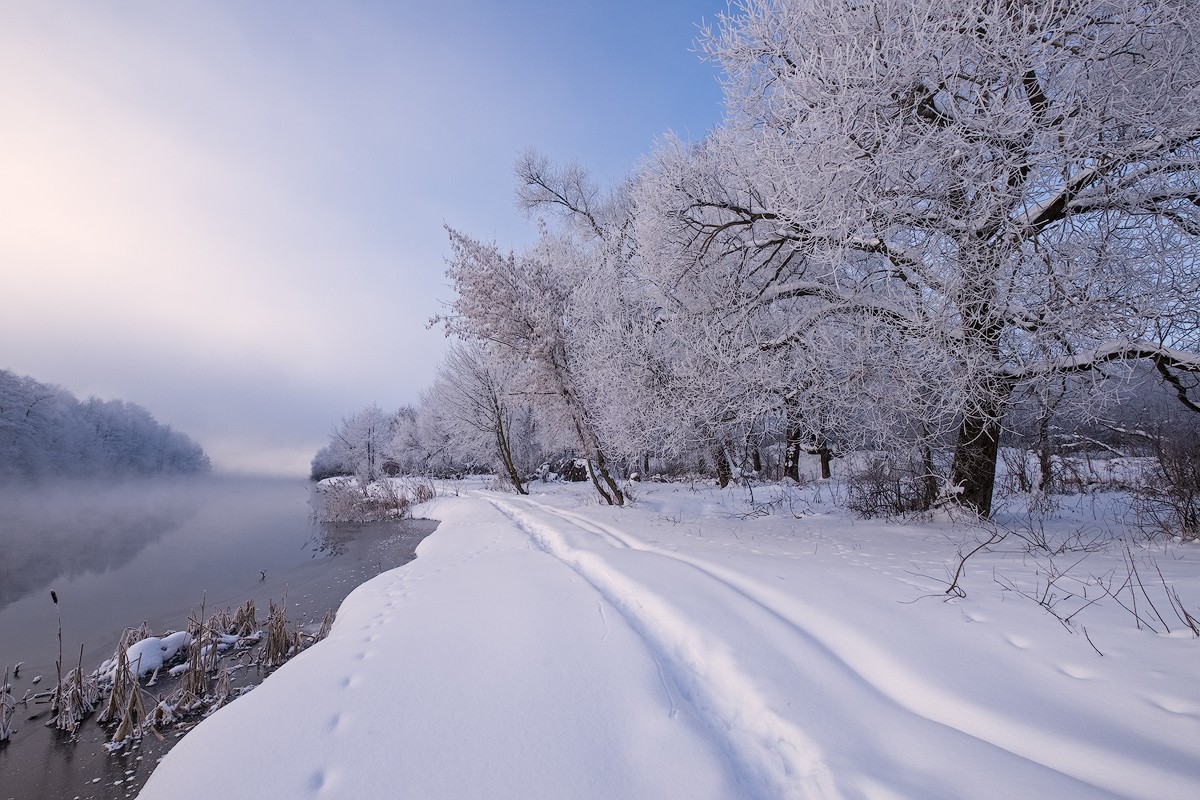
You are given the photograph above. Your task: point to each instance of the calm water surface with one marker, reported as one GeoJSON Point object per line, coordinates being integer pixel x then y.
{"type": "Point", "coordinates": [120, 555]}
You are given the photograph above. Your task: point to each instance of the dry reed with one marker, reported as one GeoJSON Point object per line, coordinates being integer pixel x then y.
{"type": "Point", "coordinates": [75, 698]}
{"type": "Point", "coordinates": [279, 643]}
{"type": "Point", "coordinates": [8, 706]}
{"type": "Point", "coordinates": [124, 686]}
{"type": "Point", "coordinates": [326, 626]}
{"type": "Point", "coordinates": [204, 683]}
{"type": "Point", "coordinates": [245, 620]}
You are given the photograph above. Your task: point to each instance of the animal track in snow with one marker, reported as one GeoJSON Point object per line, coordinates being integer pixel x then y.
{"type": "Point", "coordinates": [1173, 705]}
{"type": "Point", "coordinates": [1079, 673]}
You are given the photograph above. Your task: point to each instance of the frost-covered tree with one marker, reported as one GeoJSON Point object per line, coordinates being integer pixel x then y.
{"type": "Point", "coordinates": [326, 464]}
{"type": "Point", "coordinates": [46, 432]}
{"type": "Point", "coordinates": [475, 396]}
{"type": "Point", "coordinates": [1009, 189]}
{"type": "Point", "coordinates": [361, 443]}
{"type": "Point", "coordinates": [522, 305]}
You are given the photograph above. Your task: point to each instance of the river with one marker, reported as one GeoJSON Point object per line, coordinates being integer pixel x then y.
{"type": "Point", "coordinates": [153, 551]}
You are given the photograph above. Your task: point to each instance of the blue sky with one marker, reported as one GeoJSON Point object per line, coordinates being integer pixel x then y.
{"type": "Point", "coordinates": [232, 213]}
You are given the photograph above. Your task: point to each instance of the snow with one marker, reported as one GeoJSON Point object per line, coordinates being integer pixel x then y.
{"type": "Point", "coordinates": [692, 646]}
{"type": "Point", "coordinates": [148, 655]}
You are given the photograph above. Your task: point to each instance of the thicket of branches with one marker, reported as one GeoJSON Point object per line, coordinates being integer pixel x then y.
{"type": "Point", "coordinates": [922, 227]}
{"type": "Point", "coordinates": [45, 431]}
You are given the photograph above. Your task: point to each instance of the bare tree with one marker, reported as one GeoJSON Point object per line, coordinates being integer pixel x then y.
{"type": "Point", "coordinates": [475, 394]}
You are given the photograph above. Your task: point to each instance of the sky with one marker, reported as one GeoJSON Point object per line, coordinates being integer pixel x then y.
{"type": "Point", "coordinates": [233, 213]}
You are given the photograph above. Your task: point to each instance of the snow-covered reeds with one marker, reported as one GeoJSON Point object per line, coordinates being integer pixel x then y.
{"type": "Point", "coordinates": [245, 620]}
{"type": "Point", "coordinates": [191, 659]}
{"type": "Point", "coordinates": [202, 656]}
{"type": "Point", "coordinates": [278, 643]}
{"type": "Point", "coordinates": [349, 500]}
{"type": "Point", "coordinates": [222, 690]}
{"type": "Point", "coordinates": [124, 685]}
{"type": "Point", "coordinates": [75, 698]}
{"type": "Point", "coordinates": [133, 717]}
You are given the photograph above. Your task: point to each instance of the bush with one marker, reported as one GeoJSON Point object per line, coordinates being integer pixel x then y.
{"type": "Point", "coordinates": [887, 484]}
{"type": "Point", "coordinates": [344, 500]}
{"type": "Point", "coordinates": [1168, 501]}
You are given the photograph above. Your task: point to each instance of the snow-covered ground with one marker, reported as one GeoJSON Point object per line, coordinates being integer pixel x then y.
{"type": "Point", "coordinates": [548, 647]}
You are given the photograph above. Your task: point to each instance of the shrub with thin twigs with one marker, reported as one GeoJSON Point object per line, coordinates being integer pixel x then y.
{"type": "Point", "coordinates": [345, 500]}
{"type": "Point", "coordinates": [1168, 501]}
{"type": "Point", "coordinates": [420, 491]}
{"type": "Point", "coordinates": [887, 484]}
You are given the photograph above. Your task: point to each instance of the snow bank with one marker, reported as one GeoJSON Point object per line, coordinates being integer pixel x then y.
{"type": "Point", "coordinates": [545, 648]}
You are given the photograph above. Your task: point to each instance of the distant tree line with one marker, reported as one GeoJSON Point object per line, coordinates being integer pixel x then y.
{"type": "Point", "coordinates": [921, 229]}
{"type": "Point", "coordinates": [45, 431]}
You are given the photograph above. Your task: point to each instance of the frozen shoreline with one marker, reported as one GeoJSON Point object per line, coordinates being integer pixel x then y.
{"type": "Point", "coordinates": [41, 763]}
{"type": "Point", "coordinates": [547, 647]}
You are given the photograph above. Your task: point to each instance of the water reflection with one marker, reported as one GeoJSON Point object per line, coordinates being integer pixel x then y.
{"type": "Point", "coordinates": [154, 552]}
{"type": "Point", "coordinates": [71, 529]}
{"type": "Point", "coordinates": [333, 538]}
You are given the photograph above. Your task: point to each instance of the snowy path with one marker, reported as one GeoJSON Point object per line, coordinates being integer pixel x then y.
{"type": "Point", "coordinates": [758, 663]}
{"type": "Point", "coordinates": [540, 650]}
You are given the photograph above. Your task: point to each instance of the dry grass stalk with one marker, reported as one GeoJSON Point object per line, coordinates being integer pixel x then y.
{"type": "Point", "coordinates": [279, 643]}
{"type": "Point", "coordinates": [132, 636]}
{"type": "Point", "coordinates": [245, 620]}
{"type": "Point", "coordinates": [75, 698]}
{"type": "Point", "coordinates": [220, 621]}
{"type": "Point", "coordinates": [8, 706]}
{"type": "Point", "coordinates": [54, 701]}
{"type": "Point", "coordinates": [132, 719]}
{"type": "Point", "coordinates": [326, 626]}
{"type": "Point", "coordinates": [124, 686]}
{"type": "Point", "coordinates": [222, 690]}
{"type": "Point", "coordinates": [203, 655]}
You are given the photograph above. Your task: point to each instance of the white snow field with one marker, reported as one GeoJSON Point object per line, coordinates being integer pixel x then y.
{"type": "Point", "coordinates": [548, 647]}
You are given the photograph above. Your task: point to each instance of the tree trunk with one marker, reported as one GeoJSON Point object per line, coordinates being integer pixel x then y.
{"type": "Point", "coordinates": [599, 470]}
{"type": "Point", "coordinates": [973, 473]}
{"type": "Point", "coordinates": [1045, 463]}
{"type": "Point", "coordinates": [618, 497]}
{"type": "Point", "coordinates": [591, 471]}
{"type": "Point", "coordinates": [792, 449]}
{"type": "Point", "coordinates": [974, 469]}
{"type": "Point", "coordinates": [724, 471]}
{"type": "Point", "coordinates": [506, 459]}
{"type": "Point", "coordinates": [826, 456]}
{"type": "Point", "coordinates": [930, 479]}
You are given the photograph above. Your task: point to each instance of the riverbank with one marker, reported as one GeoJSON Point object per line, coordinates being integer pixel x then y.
{"type": "Point", "coordinates": [693, 646]}
{"type": "Point", "coordinates": [216, 555]}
